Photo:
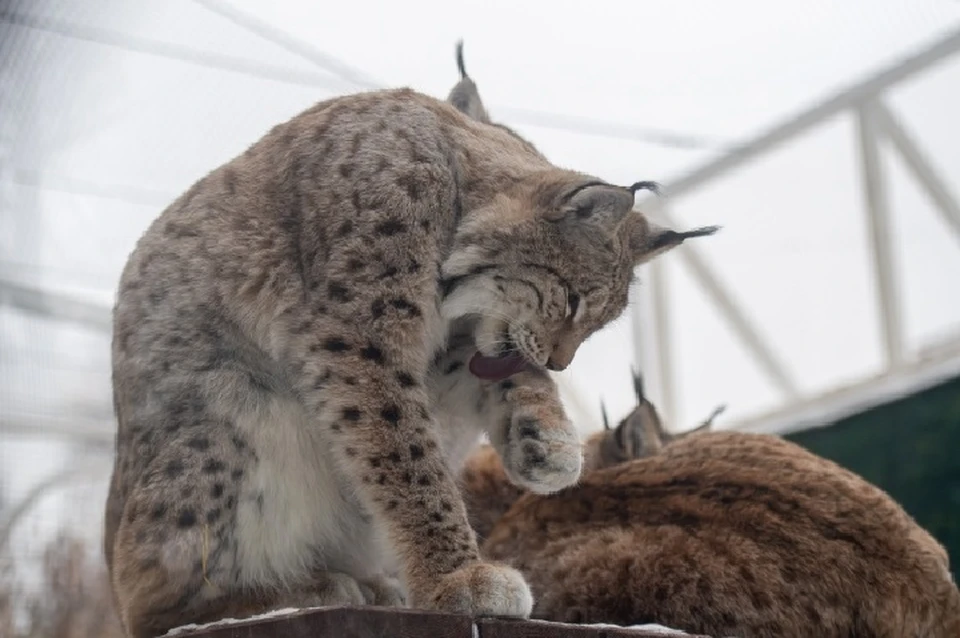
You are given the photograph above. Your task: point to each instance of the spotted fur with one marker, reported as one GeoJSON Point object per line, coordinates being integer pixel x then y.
{"type": "Point", "coordinates": [290, 416]}
{"type": "Point", "coordinates": [488, 492]}
{"type": "Point", "coordinates": [731, 534]}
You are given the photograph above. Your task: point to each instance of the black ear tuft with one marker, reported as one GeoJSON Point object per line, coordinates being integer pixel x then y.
{"type": "Point", "coordinates": [460, 65]}
{"type": "Point", "coordinates": [638, 386]}
{"type": "Point", "coordinates": [647, 239]}
{"type": "Point", "coordinates": [653, 187]}
{"type": "Point", "coordinates": [603, 413]}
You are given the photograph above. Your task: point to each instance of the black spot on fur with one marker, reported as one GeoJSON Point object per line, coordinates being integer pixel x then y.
{"type": "Point", "coordinates": [423, 480]}
{"type": "Point", "coordinates": [453, 367]}
{"type": "Point", "coordinates": [372, 353]}
{"type": "Point", "coordinates": [394, 457]}
{"type": "Point", "coordinates": [335, 344]}
{"type": "Point", "coordinates": [389, 272]}
{"type": "Point", "coordinates": [187, 518]}
{"type": "Point", "coordinates": [354, 264]}
{"type": "Point", "coordinates": [217, 490]}
{"type": "Point", "coordinates": [345, 228]}
{"type": "Point", "coordinates": [437, 516]}
{"type": "Point", "coordinates": [338, 292]}
{"type": "Point", "coordinates": [374, 462]}
{"type": "Point", "coordinates": [199, 443]}
{"type": "Point", "coordinates": [351, 414]}
{"type": "Point", "coordinates": [392, 504]}
{"type": "Point", "coordinates": [174, 468]}
{"type": "Point", "coordinates": [403, 304]}
{"type": "Point", "coordinates": [406, 380]}
{"type": "Point", "coordinates": [411, 185]}
{"type": "Point", "coordinates": [507, 385]}
{"type": "Point", "coordinates": [529, 429]}
{"type": "Point", "coordinates": [391, 414]}
{"type": "Point", "coordinates": [213, 466]}
{"type": "Point", "coordinates": [237, 474]}
{"type": "Point", "coordinates": [416, 451]}
{"type": "Point", "coordinates": [213, 515]}
{"type": "Point", "coordinates": [158, 512]}
{"type": "Point", "coordinates": [377, 308]}
{"type": "Point", "coordinates": [390, 227]}
{"type": "Point", "coordinates": [346, 169]}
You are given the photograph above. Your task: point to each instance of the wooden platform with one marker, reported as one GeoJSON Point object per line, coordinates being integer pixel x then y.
{"type": "Point", "coordinates": [376, 622]}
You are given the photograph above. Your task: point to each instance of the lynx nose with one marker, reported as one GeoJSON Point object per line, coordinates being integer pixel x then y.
{"type": "Point", "coordinates": [561, 356]}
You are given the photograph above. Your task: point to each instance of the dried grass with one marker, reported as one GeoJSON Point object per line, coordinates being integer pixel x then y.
{"type": "Point", "coordinates": [74, 601]}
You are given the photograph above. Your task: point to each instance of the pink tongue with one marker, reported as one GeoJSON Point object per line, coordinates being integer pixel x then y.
{"type": "Point", "coordinates": [496, 368]}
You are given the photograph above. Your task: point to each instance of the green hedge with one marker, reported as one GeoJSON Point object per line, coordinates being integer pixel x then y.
{"type": "Point", "coordinates": [911, 449]}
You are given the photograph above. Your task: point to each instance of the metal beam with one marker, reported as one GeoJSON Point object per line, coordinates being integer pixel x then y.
{"type": "Point", "coordinates": [881, 242]}
{"type": "Point", "coordinates": [170, 51]}
{"type": "Point", "coordinates": [940, 365]}
{"type": "Point", "coordinates": [919, 166]}
{"type": "Point", "coordinates": [735, 316]}
{"type": "Point", "coordinates": [55, 305]}
{"type": "Point", "coordinates": [850, 97]}
{"type": "Point", "coordinates": [290, 44]}
{"type": "Point", "coordinates": [542, 119]}
{"type": "Point", "coordinates": [663, 334]}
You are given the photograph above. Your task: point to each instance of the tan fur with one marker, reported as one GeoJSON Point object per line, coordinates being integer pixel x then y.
{"type": "Point", "coordinates": [731, 534]}
{"type": "Point", "coordinates": [488, 492]}
{"type": "Point", "coordinates": [288, 360]}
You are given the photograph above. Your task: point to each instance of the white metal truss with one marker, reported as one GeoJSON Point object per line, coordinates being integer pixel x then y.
{"type": "Point", "coordinates": [903, 371]}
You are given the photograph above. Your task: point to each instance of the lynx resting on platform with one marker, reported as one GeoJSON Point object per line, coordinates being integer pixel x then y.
{"type": "Point", "coordinates": [488, 492]}
{"type": "Point", "coordinates": [729, 534]}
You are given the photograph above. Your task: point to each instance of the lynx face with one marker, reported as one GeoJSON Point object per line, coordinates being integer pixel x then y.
{"type": "Point", "coordinates": [546, 263]}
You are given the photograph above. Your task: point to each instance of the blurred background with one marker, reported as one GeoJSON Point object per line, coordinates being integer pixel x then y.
{"type": "Point", "coordinates": [823, 136]}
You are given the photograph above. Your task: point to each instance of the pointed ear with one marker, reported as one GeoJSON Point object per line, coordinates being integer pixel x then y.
{"type": "Point", "coordinates": [596, 204]}
{"type": "Point", "coordinates": [465, 97]}
{"type": "Point", "coordinates": [647, 239]}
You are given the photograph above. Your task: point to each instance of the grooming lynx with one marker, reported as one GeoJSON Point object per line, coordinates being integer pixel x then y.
{"type": "Point", "coordinates": [310, 340]}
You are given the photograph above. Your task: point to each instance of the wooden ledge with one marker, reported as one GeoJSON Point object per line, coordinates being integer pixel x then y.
{"type": "Point", "coordinates": [382, 622]}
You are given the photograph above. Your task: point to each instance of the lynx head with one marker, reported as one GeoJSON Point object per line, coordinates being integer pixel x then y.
{"type": "Point", "coordinates": [546, 260]}
{"type": "Point", "coordinates": [639, 435]}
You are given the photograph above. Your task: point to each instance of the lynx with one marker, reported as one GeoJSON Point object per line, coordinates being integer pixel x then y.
{"type": "Point", "coordinates": [293, 395]}
{"type": "Point", "coordinates": [488, 492]}
{"type": "Point", "coordinates": [729, 534]}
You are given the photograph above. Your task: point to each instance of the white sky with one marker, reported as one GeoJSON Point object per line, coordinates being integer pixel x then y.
{"type": "Point", "coordinates": [794, 245]}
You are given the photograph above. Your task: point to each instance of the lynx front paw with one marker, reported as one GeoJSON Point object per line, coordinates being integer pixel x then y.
{"type": "Point", "coordinates": [539, 455]}
{"type": "Point", "coordinates": [483, 589]}
{"type": "Point", "coordinates": [383, 591]}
